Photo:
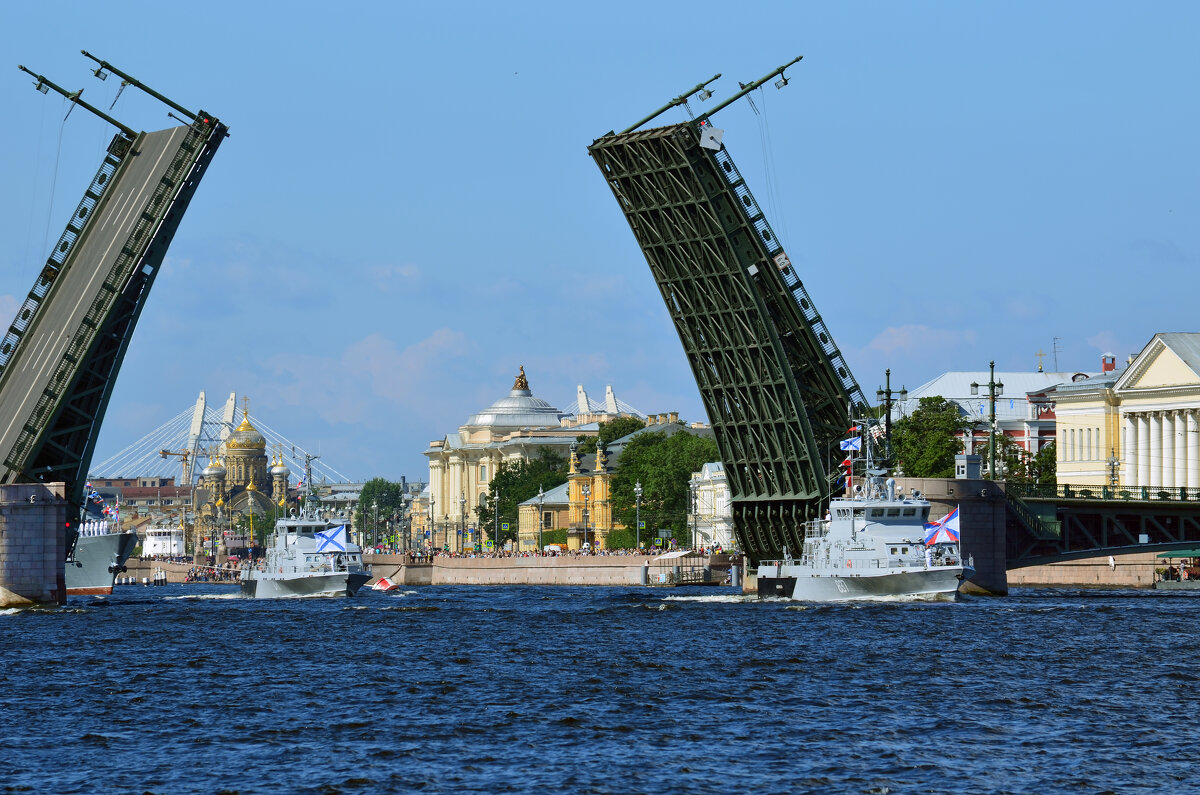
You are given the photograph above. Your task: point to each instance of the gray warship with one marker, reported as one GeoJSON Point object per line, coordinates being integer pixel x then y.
{"type": "Point", "coordinates": [308, 554]}
{"type": "Point", "coordinates": [875, 543]}
{"type": "Point", "coordinates": [96, 558]}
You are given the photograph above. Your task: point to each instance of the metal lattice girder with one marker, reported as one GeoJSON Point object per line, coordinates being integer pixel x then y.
{"type": "Point", "coordinates": [775, 388]}
{"type": "Point", "coordinates": [53, 436]}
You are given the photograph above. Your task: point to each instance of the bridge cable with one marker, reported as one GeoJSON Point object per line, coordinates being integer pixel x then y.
{"type": "Point", "coordinates": [54, 181]}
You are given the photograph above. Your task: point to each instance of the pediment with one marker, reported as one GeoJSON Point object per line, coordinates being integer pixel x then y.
{"type": "Point", "coordinates": [1157, 367]}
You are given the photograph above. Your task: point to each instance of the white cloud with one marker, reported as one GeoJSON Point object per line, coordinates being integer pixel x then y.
{"type": "Point", "coordinates": [915, 338]}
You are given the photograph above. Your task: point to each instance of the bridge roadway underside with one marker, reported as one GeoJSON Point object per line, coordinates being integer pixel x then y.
{"type": "Point", "coordinates": [1106, 527]}
{"type": "Point", "coordinates": [40, 355]}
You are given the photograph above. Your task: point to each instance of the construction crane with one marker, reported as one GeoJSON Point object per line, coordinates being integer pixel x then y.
{"type": "Point", "coordinates": [185, 456]}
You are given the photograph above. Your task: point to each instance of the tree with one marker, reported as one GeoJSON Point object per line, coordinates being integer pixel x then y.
{"type": "Point", "coordinates": [389, 496]}
{"type": "Point", "coordinates": [925, 442]}
{"type": "Point", "coordinates": [514, 483]}
{"type": "Point", "coordinates": [609, 432]}
{"type": "Point", "coordinates": [1015, 465]}
{"type": "Point", "coordinates": [664, 465]}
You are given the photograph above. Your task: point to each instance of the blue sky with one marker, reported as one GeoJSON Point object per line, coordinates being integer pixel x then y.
{"type": "Point", "coordinates": [406, 212]}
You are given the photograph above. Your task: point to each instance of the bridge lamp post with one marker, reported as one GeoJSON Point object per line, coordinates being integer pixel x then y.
{"type": "Point", "coordinates": [587, 492]}
{"type": "Point", "coordinates": [429, 529]}
{"type": "Point", "coordinates": [637, 522]}
{"type": "Point", "coordinates": [884, 396]}
{"type": "Point", "coordinates": [695, 490]}
{"type": "Point", "coordinates": [541, 499]}
{"type": "Point", "coordinates": [994, 388]}
{"type": "Point", "coordinates": [375, 525]}
{"type": "Point", "coordinates": [462, 510]}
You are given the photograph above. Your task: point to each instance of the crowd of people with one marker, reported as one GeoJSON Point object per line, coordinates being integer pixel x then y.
{"type": "Point", "coordinates": [209, 574]}
{"type": "Point", "coordinates": [424, 555]}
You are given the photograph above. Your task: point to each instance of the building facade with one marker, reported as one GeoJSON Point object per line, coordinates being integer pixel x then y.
{"type": "Point", "coordinates": [1140, 429]}
{"type": "Point", "coordinates": [712, 511]}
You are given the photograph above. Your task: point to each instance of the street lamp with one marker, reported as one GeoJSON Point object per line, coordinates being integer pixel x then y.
{"type": "Point", "coordinates": [637, 496]}
{"type": "Point", "coordinates": [695, 510]}
{"type": "Point", "coordinates": [541, 499]}
{"type": "Point", "coordinates": [885, 396]}
{"type": "Point", "coordinates": [429, 529]}
{"type": "Point", "coordinates": [994, 388]}
{"type": "Point", "coordinates": [587, 491]}
{"type": "Point", "coordinates": [375, 525]}
{"type": "Point", "coordinates": [462, 512]}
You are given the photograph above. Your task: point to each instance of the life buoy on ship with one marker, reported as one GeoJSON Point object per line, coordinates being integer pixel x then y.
{"type": "Point", "coordinates": [281, 569]}
{"type": "Point", "coordinates": [847, 564]}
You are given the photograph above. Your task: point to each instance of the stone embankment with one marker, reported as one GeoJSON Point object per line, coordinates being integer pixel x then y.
{"type": "Point", "coordinates": [556, 570]}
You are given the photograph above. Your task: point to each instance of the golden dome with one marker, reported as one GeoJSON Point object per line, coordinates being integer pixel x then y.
{"type": "Point", "coordinates": [246, 436]}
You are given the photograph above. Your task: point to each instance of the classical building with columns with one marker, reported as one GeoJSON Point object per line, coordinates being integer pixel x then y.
{"type": "Point", "coordinates": [515, 427]}
{"type": "Point", "coordinates": [1137, 430]}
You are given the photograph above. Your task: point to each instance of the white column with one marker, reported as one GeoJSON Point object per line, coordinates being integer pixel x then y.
{"type": "Point", "coordinates": [1156, 443]}
{"type": "Point", "coordinates": [1143, 434]}
{"type": "Point", "coordinates": [1129, 450]}
{"type": "Point", "coordinates": [1181, 450]}
{"type": "Point", "coordinates": [1193, 444]}
{"type": "Point", "coordinates": [1168, 450]}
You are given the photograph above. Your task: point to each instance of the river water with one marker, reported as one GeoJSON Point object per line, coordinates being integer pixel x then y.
{"type": "Point", "coordinates": [460, 689]}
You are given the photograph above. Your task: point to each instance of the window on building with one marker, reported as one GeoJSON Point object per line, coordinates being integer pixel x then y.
{"type": "Point", "coordinates": [483, 472]}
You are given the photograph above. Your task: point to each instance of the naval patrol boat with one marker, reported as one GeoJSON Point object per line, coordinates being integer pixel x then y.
{"type": "Point", "coordinates": [873, 543]}
{"type": "Point", "coordinates": [309, 554]}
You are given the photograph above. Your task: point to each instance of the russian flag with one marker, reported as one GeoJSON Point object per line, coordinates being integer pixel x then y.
{"type": "Point", "coordinates": [944, 531]}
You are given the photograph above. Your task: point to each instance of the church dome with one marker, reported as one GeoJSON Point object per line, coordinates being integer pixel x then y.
{"type": "Point", "coordinates": [519, 410]}
{"type": "Point", "coordinates": [214, 469]}
{"type": "Point", "coordinates": [280, 469]}
{"type": "Point", "coordinates": [246, 437]}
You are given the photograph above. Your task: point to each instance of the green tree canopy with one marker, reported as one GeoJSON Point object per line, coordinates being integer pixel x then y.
{"type": "Point", "coordinates": [664, 465]}
{"type": "Point", "coordinates": [515, 482]}
{"type": "Point", "coordinates": [925, 443]}
{"type": "Point", "coordinates": [1014, 465]}
{"type": "Point", "coordinates": [389, 496]}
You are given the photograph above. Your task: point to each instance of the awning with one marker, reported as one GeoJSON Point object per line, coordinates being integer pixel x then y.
{"type": "Point", "coordinates": [1181, 553]}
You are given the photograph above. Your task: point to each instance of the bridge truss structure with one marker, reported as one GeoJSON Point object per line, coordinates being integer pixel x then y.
{"type": "Point", "coordinates": [60, 358]}
{"type": "Point", "coordinates": [777, 390]}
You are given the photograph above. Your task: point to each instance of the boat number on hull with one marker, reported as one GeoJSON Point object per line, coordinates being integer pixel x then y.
{"type": "Point", "coordinates": [841, 584]}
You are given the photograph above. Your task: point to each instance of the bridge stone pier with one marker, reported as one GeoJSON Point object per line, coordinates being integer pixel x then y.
{"type": "Point", "coordinates": [32, 544]}
{"type": "Point", "coordinates": [982, 516]}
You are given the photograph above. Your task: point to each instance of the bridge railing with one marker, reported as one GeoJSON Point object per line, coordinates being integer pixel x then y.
{"type": "Point", "coordinates": [1044, 529]}
{"type": "Point", "coordinates": [1066, 491]}
{"type": "Point", "coordinates": [62, 249]}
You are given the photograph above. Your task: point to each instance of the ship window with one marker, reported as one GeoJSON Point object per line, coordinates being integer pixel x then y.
{"type": "Point", "coordinates": [910, 512]}
{"type": "Point", "coordinates": [893, 511]}
{"type": "Point", "coordinates": [876, 513]}
{"type": "Point", "coordinates": [893, 550]}
{"type": "Point", "coordinates": [925, 514]}
{"type": "Point", "coordinates": [904, 550]}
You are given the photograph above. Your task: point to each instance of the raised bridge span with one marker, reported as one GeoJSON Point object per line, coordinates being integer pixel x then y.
{"type": "Point", "coordinates": [60, 357]}
{"type": "Point", "coordinates": [777, 390]}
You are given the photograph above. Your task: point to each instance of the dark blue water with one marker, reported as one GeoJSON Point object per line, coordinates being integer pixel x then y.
{"type": "Point", "coordinates": [189, 689]}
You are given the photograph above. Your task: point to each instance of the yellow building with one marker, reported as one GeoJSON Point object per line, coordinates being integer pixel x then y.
{"type": "Point", "coordinates": [1139, 428]}
{"type": "Point", "coordinates": [515, 427]}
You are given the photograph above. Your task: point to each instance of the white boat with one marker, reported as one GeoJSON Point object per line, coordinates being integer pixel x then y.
{"type": "Point", "coordinates": [874, 544]}
{"type": "Point", "coordinates": [163, 540]}
{"type": "Point", "coordinates": [307, 556]}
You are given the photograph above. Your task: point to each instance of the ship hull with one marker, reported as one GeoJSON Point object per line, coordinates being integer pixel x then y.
{"type": "Point", "coordinates": [333, 584]}
{"type": "Point", "coordinates": [96, 562]}
{"type": "Point", "coordinates": [800, 583]}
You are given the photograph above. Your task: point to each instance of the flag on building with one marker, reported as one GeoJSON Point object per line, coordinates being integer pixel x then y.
{"type": "Point", "coordinates": [332, 539]}
{"type": "Point", "coordinates": [943, 531]}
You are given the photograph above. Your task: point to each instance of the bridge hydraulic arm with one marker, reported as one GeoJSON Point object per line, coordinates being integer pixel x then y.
{"type": "Point", "coordinates": [42, 84]}
{"type": "Point", "coordinates": [133, 81]}
{"type": "Point", "coordinates": [679, 100]}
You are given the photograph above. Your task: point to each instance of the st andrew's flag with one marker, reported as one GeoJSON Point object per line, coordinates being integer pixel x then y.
{"type": "Point", "coordinates": [852, 444]}
{"type": "Point", "coordinates": [944, 531]}
{"type": "Point", "coordinates": [332, 539]}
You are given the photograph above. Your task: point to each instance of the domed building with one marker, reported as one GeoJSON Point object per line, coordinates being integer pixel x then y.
{"type": "Point", "coordinates": [238, 479]}
{"type": "Point", "coordinates": [462, 464]}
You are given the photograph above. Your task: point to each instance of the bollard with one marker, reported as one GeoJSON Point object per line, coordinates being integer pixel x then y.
{"type": "Point", "coordinates": [145, 581]}
{"type": "Point", "coordinates": [735, 574]}
{"type": "Point", "coordinates": [645, 579]}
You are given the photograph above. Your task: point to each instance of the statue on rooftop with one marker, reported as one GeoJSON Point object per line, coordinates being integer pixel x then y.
{"type": "Point", "coordinates": [521, 382]}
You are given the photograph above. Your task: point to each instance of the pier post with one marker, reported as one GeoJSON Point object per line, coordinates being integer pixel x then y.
{"type": "Point", "coordinates": [32, 544]}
